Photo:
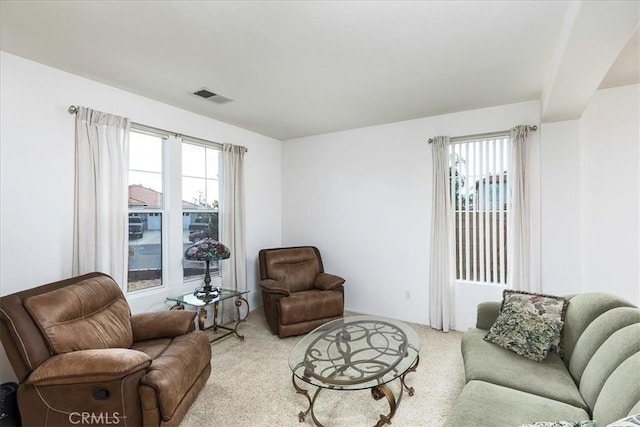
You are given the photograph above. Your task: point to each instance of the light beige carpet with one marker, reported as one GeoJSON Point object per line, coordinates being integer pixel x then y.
{"type": "Point", "coordinates": [250, 385]}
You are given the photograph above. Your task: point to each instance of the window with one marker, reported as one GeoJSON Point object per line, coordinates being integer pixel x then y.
{"type": "Point", "coordinates": [146, 207]}
{"type": "Point", "coordinates": [200, 196]}
{"type": "Point", "coordinates": [178, 190]}
{"type": "Point", "coordinates": [480, 196]}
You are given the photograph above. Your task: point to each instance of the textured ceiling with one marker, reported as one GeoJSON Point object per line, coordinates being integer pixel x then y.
{"type": "Point", "coordinates": [298, 68]}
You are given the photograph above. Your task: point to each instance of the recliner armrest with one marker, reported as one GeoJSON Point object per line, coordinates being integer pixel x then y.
{"type": "Point", "coordinates": [326, 281]}
{"type": "Point", "coordinates": [274, 286]}
{"type": "Point", "coordinates": [162, 324]}
{"type": "Point", "coordinates": [487, 314]}
{"type": "Point", "coordinates": [89, 366]}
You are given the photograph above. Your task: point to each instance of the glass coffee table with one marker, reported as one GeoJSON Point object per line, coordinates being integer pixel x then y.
{"type": "Point", "coordinates": [356, 353]}
{"type": "Point", "coordinates": [203, 302]}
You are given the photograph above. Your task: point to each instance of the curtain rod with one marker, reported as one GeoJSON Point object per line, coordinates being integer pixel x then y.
{"type": "Point", "coordinates": [482, 135]}
{"type": "Point", "coordinates": [73, 109]}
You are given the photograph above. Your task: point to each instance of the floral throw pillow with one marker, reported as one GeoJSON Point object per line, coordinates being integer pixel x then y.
{"type": "Point", "coordinates": [523, 332]}
{"type": "Point", "coordinates": [547, 306]}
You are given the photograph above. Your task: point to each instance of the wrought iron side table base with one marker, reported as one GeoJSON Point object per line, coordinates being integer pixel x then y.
{"type": "Point", "coordinates": [202, 315]}
{"type": "Point", "coordinates": [377, 393]}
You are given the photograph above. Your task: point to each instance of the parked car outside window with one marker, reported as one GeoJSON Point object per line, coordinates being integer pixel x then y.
{"type": "Point", "coordinates": [136, 226]}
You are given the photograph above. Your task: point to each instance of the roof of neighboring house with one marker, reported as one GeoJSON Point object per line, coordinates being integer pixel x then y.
{"type": "Point", "coordinates": [140, 196]}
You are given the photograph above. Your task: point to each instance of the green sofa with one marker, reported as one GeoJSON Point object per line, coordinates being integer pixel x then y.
{"type": "Point", "coordinates": [597, 378]}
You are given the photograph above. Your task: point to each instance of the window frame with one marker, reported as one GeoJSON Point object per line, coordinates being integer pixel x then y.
{"type": "Point", "coordinates": [162, 210]}
{"type": "Point", "coordinates": [214, 268]}
{"type": "Point", "coordinates": [475, 264]}
{"type": "Point", "coordinates": [173, 281]}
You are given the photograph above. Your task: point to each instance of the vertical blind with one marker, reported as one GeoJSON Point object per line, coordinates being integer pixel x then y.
{"type": "Point", "coordinates": [480, 195]}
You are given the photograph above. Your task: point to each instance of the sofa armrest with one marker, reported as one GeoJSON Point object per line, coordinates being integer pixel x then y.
{"type": "Point", "coordinates": [487, 314]}
{"type": "Point", "coordinates": [89, 366]}
{"type": "Point", "coordinates": [274, 287]}
{"type": "Point", "coordinates": [162, 324]}
{"type": "Point", "coordinates": [326, 281]}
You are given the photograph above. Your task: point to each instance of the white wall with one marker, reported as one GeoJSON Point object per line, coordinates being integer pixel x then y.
{"type": "Point", "coordinates": [610, 194]}
{"type": "Point", "coordinates": [591, 196]}
{"type": "Point", "coordinates": [37, 172]}
{"type": "Point", "coordinates": [560, 207]}
{"type": "Point", "coordinates": [364, 198]}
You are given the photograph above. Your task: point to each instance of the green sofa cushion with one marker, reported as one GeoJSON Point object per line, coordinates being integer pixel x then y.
{"type": "Point", "coordinates": [487, 314]}
{"type": "Point", "coordinates": [487, 362]}
{"type": "Point", "coordinates": [597, 333]}
{"type": "Point", "coordinates": [635, 409]}
{"type": "Point", "coordinates": [483, 404]}
{"type": "Point", "coordinates": [581, 311]}
{"type": "Point", "coordinates": [620, 346]}
{"type": "Point", "coordinates": [620, 393]}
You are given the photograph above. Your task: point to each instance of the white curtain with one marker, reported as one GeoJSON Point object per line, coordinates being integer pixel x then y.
{"type": "Point", "coordinates": [442, 259]}
{"type": "Point", "coordinates": [100, 213]}
{"type": "Point", "coordinates": [519, 237]}
{"type": "Point", "coordinates": [232, 224]}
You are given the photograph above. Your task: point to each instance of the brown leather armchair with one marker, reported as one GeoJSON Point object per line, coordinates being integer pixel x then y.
{"type": "Point", "coordinates": [297, 295]}
{"type": "Point", "coordinates": [80, 357]}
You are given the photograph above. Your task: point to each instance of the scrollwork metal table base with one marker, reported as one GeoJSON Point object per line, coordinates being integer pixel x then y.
{"type": "Point", "coordinates": [202, 315]}
{"type": "Point", "coordinates": [356, 353]}
{"type": "Point", "coordinates": [377, 392]}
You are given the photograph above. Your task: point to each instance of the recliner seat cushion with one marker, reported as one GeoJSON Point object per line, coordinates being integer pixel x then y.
{"type": "Point", "coordinates": [310, 305]}
{"type": "Point", "coordinates": [91, 314]}
{"type": "Point", "coordinates": [174, 372]}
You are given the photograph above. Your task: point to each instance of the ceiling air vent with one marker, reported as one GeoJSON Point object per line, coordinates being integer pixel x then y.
{"type": "Point", "coordinates": [207, 94]}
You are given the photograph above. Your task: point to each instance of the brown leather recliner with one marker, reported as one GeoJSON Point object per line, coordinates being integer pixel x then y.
{"type": "Point", "coordinates": [297, 295]}
{"type": "Point", "coordinates": [81, 358]}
